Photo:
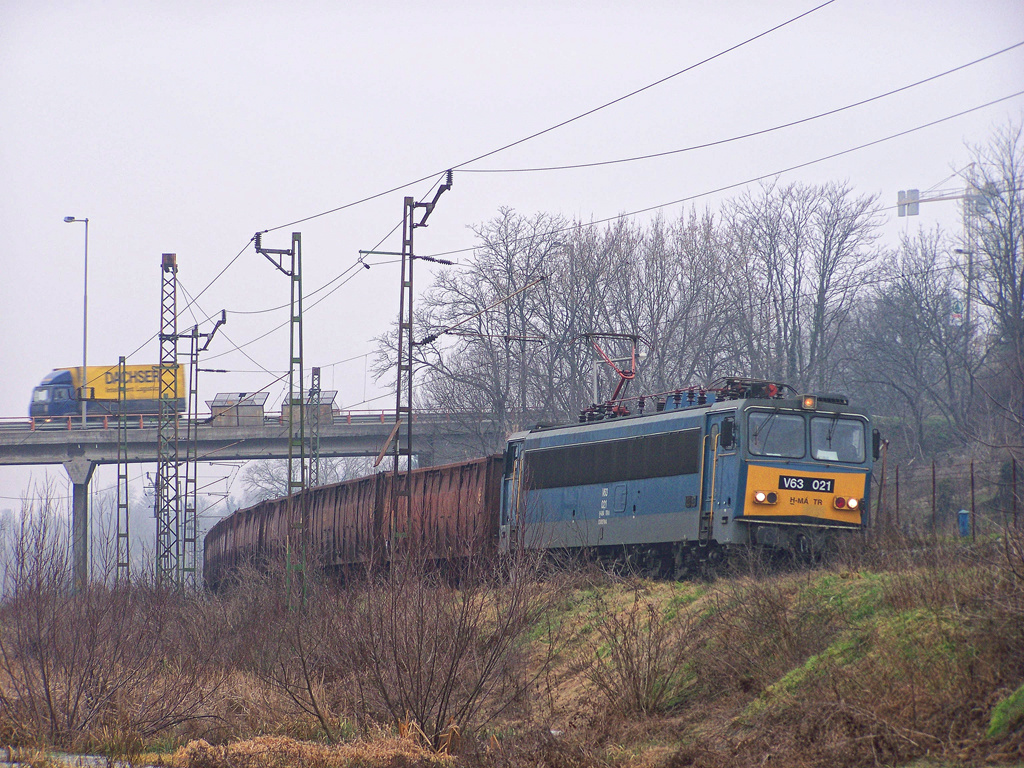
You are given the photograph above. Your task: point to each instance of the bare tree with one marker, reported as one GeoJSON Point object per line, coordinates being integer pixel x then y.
{"type": "Point", "coordinates": [999, 259]}
{"type": "Point", "coordinates": [485, 365]}
{"type": "Point", "coordinates": [268, 478]}
{"type": "Point", "coordinates": [688, 316]}
{"type": "Point", "coordinates": [292, 645]}
{"type": "Point", "coordinates": [909, 343]}
{"type": "Point", "coordinates": [769, 292]}
{"type": "Point", "coordinates": [809, 246]}
{"type": "Point", "coordinates": [661, 283]}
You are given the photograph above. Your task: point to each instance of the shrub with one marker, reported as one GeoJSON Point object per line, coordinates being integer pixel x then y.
{"type": "Point", "coordinates": [641, 665]}
{"type": "Point", "coordinates": [79, 662]}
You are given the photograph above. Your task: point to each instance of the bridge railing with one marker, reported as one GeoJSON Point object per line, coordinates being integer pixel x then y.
{"type": "Point", "coordinates": [73, 422]}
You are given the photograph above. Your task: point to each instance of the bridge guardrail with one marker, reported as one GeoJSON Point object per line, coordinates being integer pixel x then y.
{"type": "Point", "coordinates": [73, 422]}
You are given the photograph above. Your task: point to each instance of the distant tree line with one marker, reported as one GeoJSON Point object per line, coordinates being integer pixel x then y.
{"type": "Point", "coordinates": [787, 282]}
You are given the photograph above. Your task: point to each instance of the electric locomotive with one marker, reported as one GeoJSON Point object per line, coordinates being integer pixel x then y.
{"type": "Point", "coordinates": [671, 490]}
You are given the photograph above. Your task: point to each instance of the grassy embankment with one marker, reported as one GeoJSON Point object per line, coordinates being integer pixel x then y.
{"type": "Point", "coordinates": [902, 654]}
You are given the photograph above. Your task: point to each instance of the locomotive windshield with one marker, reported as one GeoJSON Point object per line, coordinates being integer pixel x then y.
{"type": "Point", "coordinates": [837, 439]}
{"type": "Point", "coordinates": [776, 434]}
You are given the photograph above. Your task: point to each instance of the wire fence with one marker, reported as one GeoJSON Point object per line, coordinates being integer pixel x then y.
{"type": "Point", "coordinates": [970, 498]}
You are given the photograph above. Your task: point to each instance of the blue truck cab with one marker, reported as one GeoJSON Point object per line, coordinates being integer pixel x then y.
{"type": "Point", "coordinates": [55, 396]}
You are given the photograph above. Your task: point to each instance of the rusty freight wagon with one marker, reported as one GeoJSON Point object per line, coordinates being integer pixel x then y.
{"type": "Point", "coordinates": [454, 515]}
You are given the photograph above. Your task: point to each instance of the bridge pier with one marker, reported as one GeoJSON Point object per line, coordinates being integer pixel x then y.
{"type": "Point", "coordinates": [80, 471]}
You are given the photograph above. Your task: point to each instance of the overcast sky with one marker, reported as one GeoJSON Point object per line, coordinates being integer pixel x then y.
{"type": "Point", "coordinates": [185, 127]}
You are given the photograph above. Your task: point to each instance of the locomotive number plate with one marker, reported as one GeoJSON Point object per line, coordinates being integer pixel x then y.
{"type": "Point", "coordinates": [814, 484]}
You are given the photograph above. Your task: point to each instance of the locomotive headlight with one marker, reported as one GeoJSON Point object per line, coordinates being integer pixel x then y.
{"type": "Point", "coordinates": [853, 503]}
{"type": "Point", "coordinates": [760, 497]}
{"type": "Point", "coordinates": [843, 503]}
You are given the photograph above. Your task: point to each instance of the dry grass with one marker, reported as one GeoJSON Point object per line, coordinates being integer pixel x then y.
{"type": "Point", "coordinates": [282, 752]}
{"type": "Point", "coordinates": [900, 654]}
{"type": "Point", "coordinates": [849, 666]}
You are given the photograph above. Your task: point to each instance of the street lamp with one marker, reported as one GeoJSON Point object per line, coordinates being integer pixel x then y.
{"type": "Point", "coordinates": [85, 313]}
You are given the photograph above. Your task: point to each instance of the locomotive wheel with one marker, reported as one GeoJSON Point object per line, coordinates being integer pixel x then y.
{"type": "Point", "coordinates": [713, 563]}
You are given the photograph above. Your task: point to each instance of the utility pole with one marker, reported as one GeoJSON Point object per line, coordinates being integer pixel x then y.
{"type": "Point", "coordinates": [298, 452]}
{"type": "Point", "coordinates": [189, 534]}
{"type": "Point", "coordinates": [402, 483]}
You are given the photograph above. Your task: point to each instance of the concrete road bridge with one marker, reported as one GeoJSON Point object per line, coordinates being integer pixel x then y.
{"type": "Point", "coordinates": [438, 438]}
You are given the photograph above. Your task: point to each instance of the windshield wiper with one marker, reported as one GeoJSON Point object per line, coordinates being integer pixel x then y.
{"type": "Point", "coordinates": [765, 423]}
{"type": "Point", "coordinates": [831, 430]}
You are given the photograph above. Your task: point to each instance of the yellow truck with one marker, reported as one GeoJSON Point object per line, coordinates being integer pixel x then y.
{"type": "Point", "coordinates": [61, 392]}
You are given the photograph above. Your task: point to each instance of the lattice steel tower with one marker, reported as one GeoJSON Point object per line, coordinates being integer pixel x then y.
{"type": "Point", "coordinates": [123, 548]}
{"type": "Point", "coordinates": [177, 525]}
{"type": "Point", "coordinates": [168, 499]}
{"type": "Point", "coordinates": [315, 475]}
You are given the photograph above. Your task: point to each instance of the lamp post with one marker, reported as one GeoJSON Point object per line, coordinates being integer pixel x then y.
{"type": "Point", "coordinates": [85, 315]}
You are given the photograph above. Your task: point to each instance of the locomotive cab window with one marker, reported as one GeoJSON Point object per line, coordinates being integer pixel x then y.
{"type": "Point", "coordinates": [837, 439]}
{"type": "Point", "coordinates": [776, 434]}
{"type": "Point", "coordinates": [511, 454]}
{"type": "Point", "coordinates": [727, 439]}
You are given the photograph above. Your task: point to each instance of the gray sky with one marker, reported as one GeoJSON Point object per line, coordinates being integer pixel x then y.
{"type": "Point", "coordinates": [187, 126]}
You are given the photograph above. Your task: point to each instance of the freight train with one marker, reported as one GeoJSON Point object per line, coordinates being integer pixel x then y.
{"type": "Point", "coordinates": [668, 489]}
{"type": "Point", "coordinates": [62, 392]}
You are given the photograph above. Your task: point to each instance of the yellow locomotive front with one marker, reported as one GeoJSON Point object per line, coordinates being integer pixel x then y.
{"type": "Point", "coordinates": [807, 463]}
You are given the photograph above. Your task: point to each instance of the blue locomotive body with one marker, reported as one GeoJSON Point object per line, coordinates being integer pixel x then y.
{"type": "Point", "coordinates": [669, 489]}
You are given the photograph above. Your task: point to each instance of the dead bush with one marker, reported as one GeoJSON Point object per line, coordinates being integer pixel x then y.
{"type": "Point", "coordinates": [443, 651]}
{"type": "Point", "coordinates": [296, 644]}
{"type": "Point", "coordinates": [640, 665]}
{"type": "Point", "coordinates": [78, 662]}
{"type": "Point", "coordinates": [534, 747]}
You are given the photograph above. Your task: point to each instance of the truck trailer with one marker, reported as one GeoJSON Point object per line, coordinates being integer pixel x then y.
{"type": "Point", "coordinates": [62, 391]}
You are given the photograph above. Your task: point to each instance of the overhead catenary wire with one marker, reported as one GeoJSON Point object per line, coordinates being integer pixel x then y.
{"type": "Point", "coordinates": [240, 347]}
{"type": "Point", "coordinates": [568, 121]}
{"type": "Point", "coordinates": [751, 134]}
{"type": "Point", "coordinates": [229, 340]}
{"type": "Point", "coordinates": [310, 295]}
{"type": "Point", "coordinates": [622, 160]}
{"type": "Point", "coordinates": [629, 214]}
{"type": "Point", "coordinates": [236, 257]}
{"type": "Point", "coordinates": [761, 177]}
{"type": "Point", "coordinates": [504, 147]}
{"type": "Point", "coordinates": [463, 164]}
{"type": "Point", "coordinates": [359, 262]}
